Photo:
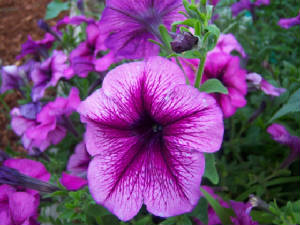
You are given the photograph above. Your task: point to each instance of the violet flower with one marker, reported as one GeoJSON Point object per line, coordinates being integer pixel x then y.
{"type": "Point", "coordinates": [228, 43]}
{"type": "Point", "coordinates": [10, 78]}
{"type": "Point", "coordinates": [19, 206]}
{"type": "Point", "coordinates": [40, 129]}
{"type": "Point", "coordinates": [48, 73]}
{"type": "Point", "coordinates": [72, 182]}
{"type": "Point", "coordinates": [146, 131]}
{"type": "Point", "coordinates": [242, 5]}
{"type": "Point", "coordinates": [51, 120]}
{"type": "Point", "coordinates": [79, 161]}
{"type": "Point", "coordinates": [281, 135]}
{"type": "Point", "coordinates": [14, 77]}
{"type": "Point", "coordinates": [128, 24]}
{"type": "Point", "coordinates": [37, 48]}
{"type": "Point", "coordinates": [289, 22]}
{"type": "Point", "coordinates": [240, 209]}
{"type": "Point", "coordinates": [259, 83]}
{"type": "Point", "coordinates": [227, 69]}
{"type": "Point", "coordinates": [84, 58]}
{"type": "Point", "coordinates": [75, 20]}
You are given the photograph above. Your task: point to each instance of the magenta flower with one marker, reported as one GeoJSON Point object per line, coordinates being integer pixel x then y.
{"type": "Point", "coordinates": [72, 182]}
{"type": "Point", "coordinates": [19, 206]}
{"type": "Point", "coordinates": [228, 43]}
{"type": "Point", "coordinates": [240, 209]}
{"type": "Point", "coordinates": [289, 22]}
{"type": "Point", "coordinates": [281, 135]}
{"type": "Point", "coordinates": [79, 161]}
{"type": "Point", "coordinates": [146, 131]}
{"type": "Point", "coordinates": [75, 20]}
{"type": "Point", "coordinates": [259, 83]}
{"type": "Point", "coordinates": [227, 69]}
{"type": "Point", "coordinates": [139, 22]}
{"type": "Point", "coordinates": [40, 129]}
{"type": "Point", "coordinates": [48, 73]}
{"type": "Point", "coordinates": [52, 119]}
{"type": "Point", "coordinates": [10, 78]}
{"type": "Point", "coordinates": [84, 58]}
{"type": "Point", "coordinates": [37, 48]}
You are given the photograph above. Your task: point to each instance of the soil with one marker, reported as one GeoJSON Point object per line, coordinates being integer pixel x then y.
{"type": "Point", "coordinates": [18, 19]}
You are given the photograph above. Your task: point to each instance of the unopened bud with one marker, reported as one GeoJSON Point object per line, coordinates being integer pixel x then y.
{"type": "Point", "coordinates": [183, 42]}
{"type": "Point", "coordinates": [80, 6]}
{"type": "Point", "coordinates": [13, 177]}
{"type": "Point", "coordinates": [43, 25]}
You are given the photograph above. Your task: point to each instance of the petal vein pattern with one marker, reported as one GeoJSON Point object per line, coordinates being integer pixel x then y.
{"type": "Point", "coordinates": [147, 131]}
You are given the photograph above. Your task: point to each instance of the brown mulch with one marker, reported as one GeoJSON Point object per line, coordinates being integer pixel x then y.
{"type": "Point", "coordinates": [18, 19]}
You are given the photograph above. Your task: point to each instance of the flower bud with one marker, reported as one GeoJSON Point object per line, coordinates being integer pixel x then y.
{"type": "Point", "coordinates": [13, 177]}
{"type": "Point", "coordinates": [183, 42]}
{"type": "Point", "coordinates": [43, 25]}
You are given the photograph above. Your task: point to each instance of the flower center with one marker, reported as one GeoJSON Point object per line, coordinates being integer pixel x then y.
{"type": "Point", "coordinates": [147, 127]}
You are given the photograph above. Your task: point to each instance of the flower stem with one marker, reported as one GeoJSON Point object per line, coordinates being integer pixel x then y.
{"type": "Point", "coordinates": [200, 71]}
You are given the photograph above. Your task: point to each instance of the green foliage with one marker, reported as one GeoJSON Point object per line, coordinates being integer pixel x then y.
{"type": "Point", "coordinates": [55, 7]}
{"type": "Point", "coordinates": [213, 86]}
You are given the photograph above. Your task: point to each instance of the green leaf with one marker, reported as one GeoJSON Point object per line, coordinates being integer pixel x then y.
{"type": "Point", "coordinates": [262, 217]}
{"type": "Point", "coordinates": [293, 105]}
{"type": "Point", "coordinates": [55, 7]}
{"type": "Point", "coordinates": [188, 22]}
{"type": "Point", "coordinates": [200, 211]}
{"type": "Point", "coordinates": [183, 220]}
{"type": "Point", "coordinates": [169, 221]}
{"type": "Point", "coordinates": [165, 35]}
{"type": "Point", "coordinates": [97, 210]}
{"type": "Point", "coordinates": [210, 169]}
{"type": "Point", "coordinates": [224, 214]}
{"type": "Point", "coordinates": [213, 86]}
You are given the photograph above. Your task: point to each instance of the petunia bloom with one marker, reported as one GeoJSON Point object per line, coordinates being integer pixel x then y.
{"type": "Point", "coordinates": [72, 182]}
{"type": "Point", "coordinates": [39, 128]}
{"type": "Point", "coordinates": [240, 209]}
{"type": "Point", "coordinates": [146, 131]}
{"type": "Point", "coordinates": [289, 22]}
{"type": "Point", "coordinates": [19, 206]}
{"type": "Point", "coordinates": [228, 43]}
{"type": "Point", "coordinates": [259, 83]}
{"type": "Point", "coordinates": [48, 73]}
{"type": "Point", "coordinates": [128, 24]}
{"type": "Point", "coordinates": [281, 135]}
{"type": "Point", "coordinates": [84, 58]}
{"type": "Point", "coordinates": [226, 68]}
{"type": "Point", "coordinates": [37, 49]}
{"type": "Point", "coordinates": [10, 78]}
{"type": "Point", "coordinates": [79, 161]}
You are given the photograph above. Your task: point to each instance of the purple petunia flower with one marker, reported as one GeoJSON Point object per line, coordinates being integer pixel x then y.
{"type": "Point", "coordinates": [19, 206]}
{"type": "Point", "coordinates": [10, 78]}
{"type": "Point", "coordinates": [227, 69]}
{"type": "Point", "coordinates": [40, 129]}
{"type": "Point", "coordinates": [281, 135]}
{"type": "Point", "coordinates": [228, 43]}
{"type": "Point", "coordinates": [289, 22]}
{"type": "Point", "coordinates": [242, 5]}
{"type": "Point", "coordinates": [84, 58]}
{"type": "Point", "coordinates": [72, 182]}
{"type": "Point", "coordinates": [75, 20]}
{"type": "Point", "coordinates": [48, 73]}
{"type": "Point", "coordinates": [146, 131]}
{"type": "Point", "coordinates": [258, 82]}
{"type": "Point", "coordinates": [128, 24]}
{"type": "Point", "coordinates": [37, 48]}
{"type": "Point", "coordinates": [79, 161]}
{"type": "Point", "coordinates": [240, 209]}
